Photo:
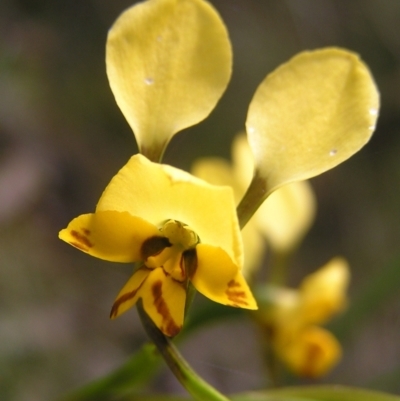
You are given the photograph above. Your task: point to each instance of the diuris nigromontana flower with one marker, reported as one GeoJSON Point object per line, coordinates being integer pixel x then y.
{"type": "Point", "coordinates": [294, 318]}
{"type": "Point", "coordinates": [178, 227]}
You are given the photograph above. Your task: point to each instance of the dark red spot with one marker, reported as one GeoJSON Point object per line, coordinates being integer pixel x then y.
{"type": "Point", "coordinates": [82, 241]}
{"type": "Point", "coordinates": [169, 327]}
{"type": "Point", "coordinates": [314, 352]}
{"type": "Point", "coordinates": [237, 297]}
{"type": "Point", "coordinates": [153, 246]}
{"type": "Point", "coordinates": [190, 262]}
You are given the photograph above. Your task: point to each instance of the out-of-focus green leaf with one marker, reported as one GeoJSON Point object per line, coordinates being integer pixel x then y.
{"type": "Point", "coordinates": [316, 393]}
{"type": "Point", "coordinates": [129, 377]}
{"type": "Point", "coordinates": [383, 285]}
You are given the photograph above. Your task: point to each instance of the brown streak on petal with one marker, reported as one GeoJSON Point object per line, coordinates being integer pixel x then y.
{"type": "Point", "coordinates": [86, 231]}
{"type": "Point", "coordinates": [169, 327]}
{"type": "Point", "coordinates": [153, 246]}
{"type": "Point", "coordinates": [123, 298]}
{"type": "Point", "coordinates": [81, 239]}
{"type": "Point", "coordinates": [236, 296]}
{"type": "Point", "coordinates": [313, 353]}
{"type": "Point", "coordinates": [190, 262]}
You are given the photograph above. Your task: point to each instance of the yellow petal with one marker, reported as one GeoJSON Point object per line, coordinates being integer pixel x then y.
{"type": "Point", "coordinates": [312, 353]}
{"type": "Point", "coordinates": [311, 114]}
{"type": "Point", "coordinates": [220, 280]}
{"type": "Point", "coordinates": [130, 292]}
{"type": "Point", "coordinates": [164, 301]}
{"type": "Point", "coordinates": [286, 215]}
{"type": "Point", "coordinates": [323, 293]}
{"type": "Point", "coordinates": [110, 235]}
{"type": "Point", "coordinates": [168, 63]}
{"type": "Point", "coordinates": [157, 193]}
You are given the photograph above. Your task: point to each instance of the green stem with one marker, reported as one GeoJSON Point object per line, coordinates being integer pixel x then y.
{"type": "Point", "coordinates": [195, 385]}
{"type": "Point", "coordinates": [253, 198]}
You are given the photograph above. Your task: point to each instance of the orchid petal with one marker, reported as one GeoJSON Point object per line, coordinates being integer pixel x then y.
{"type": "Point", "coordinates": [164, 301]}
{"type": "Point", "coordinates": [111, 235]}
{"type": "Point", "coordinates": [220, 280]}
{"type": "Point", "coordinates": [157, 193]}
{"type": "Point", "coordinates": [312, 353]}
{"type": "Point", "coordinates": [168, 63]}
{"type": "Point", "coordinates": [310, 115]}
{"type": "Point", "coordinates": [129, 294]}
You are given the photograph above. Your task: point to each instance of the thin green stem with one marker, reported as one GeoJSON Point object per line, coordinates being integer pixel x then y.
{"type": "Point", "coordinates": [194, 384]}
{"type": "Point", "coordinates": [253, 198]}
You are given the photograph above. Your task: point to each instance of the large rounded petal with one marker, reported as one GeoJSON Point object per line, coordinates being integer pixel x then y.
{"type": "Point", "coordinates": [168, 63]}
{"type": "Point", "coordinates": [157, 193]}
{"type": "Point", "coordinates": [220, 280]}
{"type": "Point", "coordinates": [110, 235]}
{"type": "Point", "coordinates": [311, 114]}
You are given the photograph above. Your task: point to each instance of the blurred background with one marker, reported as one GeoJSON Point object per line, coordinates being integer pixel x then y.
{"type": "Point", "coordinates": [62, 138]}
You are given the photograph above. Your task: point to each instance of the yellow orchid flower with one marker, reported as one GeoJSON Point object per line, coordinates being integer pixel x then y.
{"type": "Point", "coordinates": [168, 63]}
{"type": "Point", "coordinates": [178, 227]}
{"type": "Point", "coordinates": [293, 317]}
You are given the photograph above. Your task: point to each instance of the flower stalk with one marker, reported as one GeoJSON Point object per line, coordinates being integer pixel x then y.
{"type": "Point", "coordinates": [194, 384]}
{"type": "Point", "coordinates": [255, 195]}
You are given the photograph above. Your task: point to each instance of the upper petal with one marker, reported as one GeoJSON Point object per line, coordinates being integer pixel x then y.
{"type": "Point", "coordinates": [219, 279]}
{"type": "Point", "coordinates": [311, 114]}
{"type": "Point", "coordinates": [168, 63]}
{"type": "Point", "coordinates": [157, 193]}
{"type": "Point", "coordinates": [112, 235]}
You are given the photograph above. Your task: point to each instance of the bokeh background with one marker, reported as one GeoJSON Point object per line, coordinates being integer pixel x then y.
{"type": "Point", "coordinates": [62, 138]}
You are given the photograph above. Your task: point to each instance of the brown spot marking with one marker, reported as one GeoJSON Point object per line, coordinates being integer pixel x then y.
{"type": "Point", "coordinates": [170, 328]}
{"type": "Point", "coordinates": [190, 262]}
{"type": "Point", "coordinates": [313, 354]}
{"type": "Point", "coordinates": [122, 299]}
{"type": "Point", "coordinates": [86, 231]}
{"type": "Point", "coordinates": [236, 296]}
{"type": "Point", "coordinates": [82, 242]}
{"type": "Point", "coordinates": [153, 246]}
